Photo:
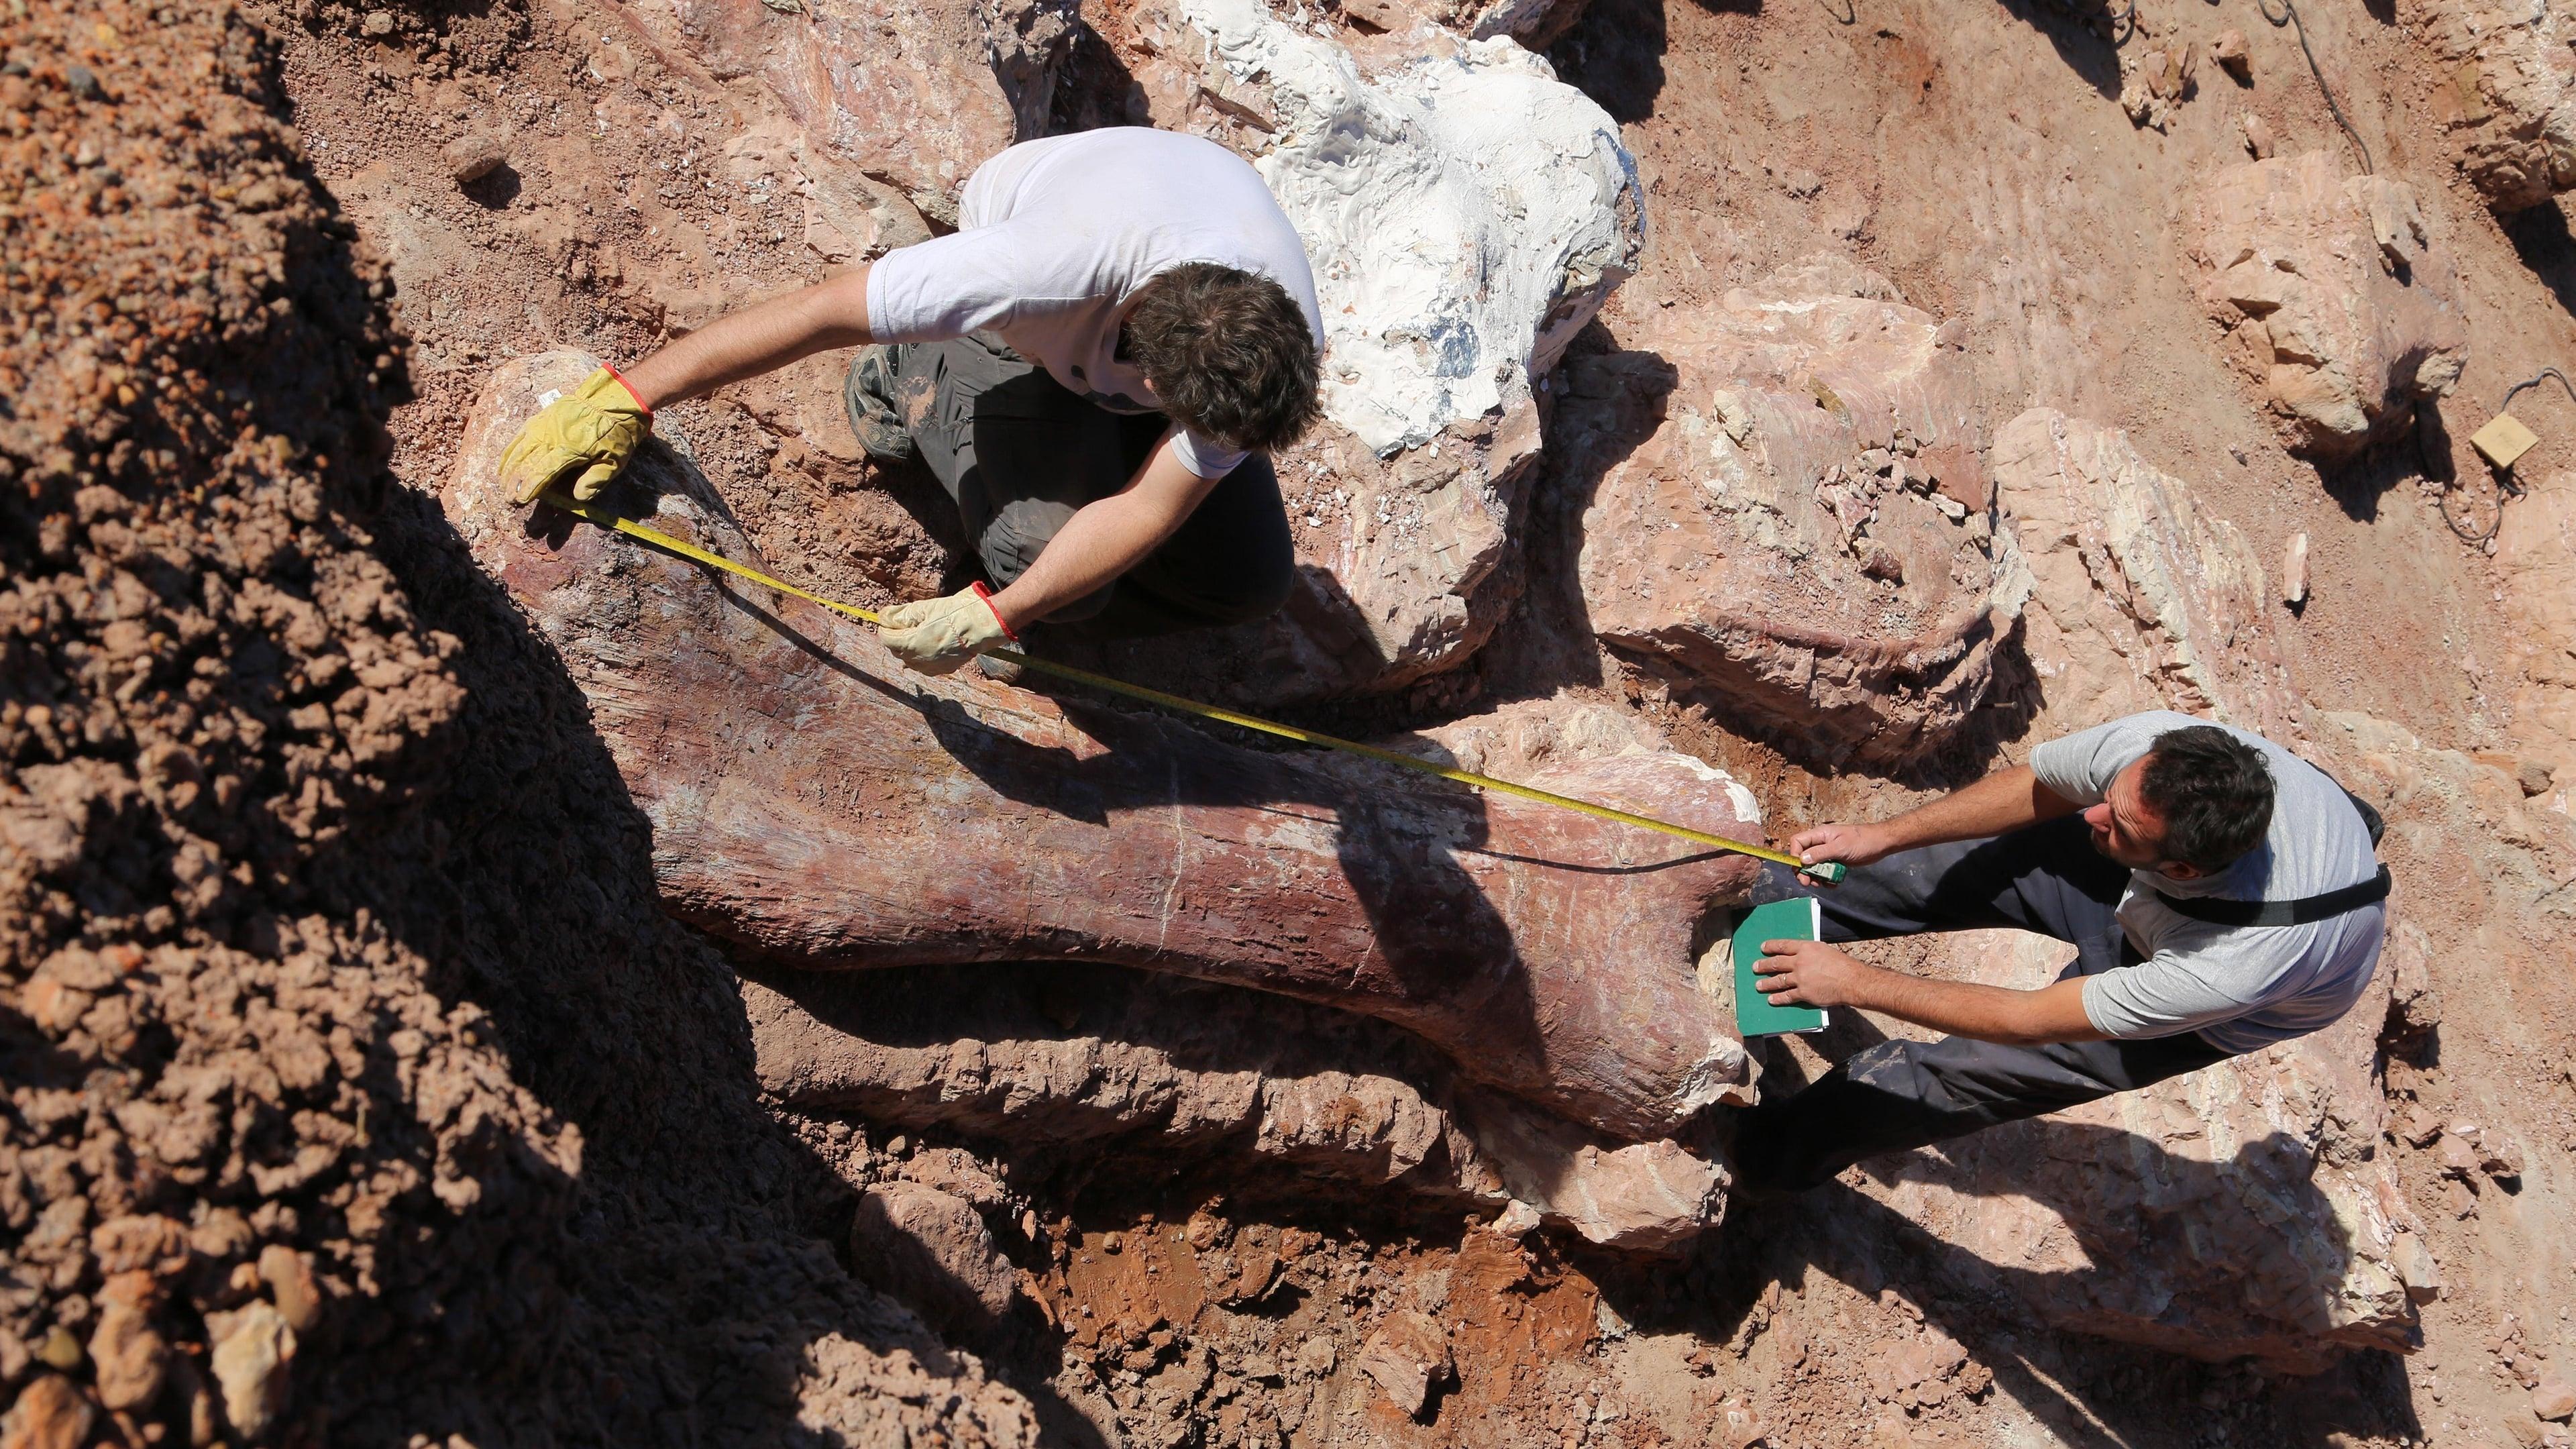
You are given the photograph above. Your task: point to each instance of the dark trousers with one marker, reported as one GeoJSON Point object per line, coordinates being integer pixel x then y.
{"type": "Point", "coordinates": [1903, 1094]}
{"type": "Point", "coordinates": [1019, 453]}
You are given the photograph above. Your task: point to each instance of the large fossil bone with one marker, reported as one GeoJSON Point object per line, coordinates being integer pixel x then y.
{"type": "Point", "coordinates": [816, 803]}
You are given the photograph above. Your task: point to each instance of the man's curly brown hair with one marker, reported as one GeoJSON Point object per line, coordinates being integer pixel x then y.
{"type": "Point", "coordinates": [1228, 352]}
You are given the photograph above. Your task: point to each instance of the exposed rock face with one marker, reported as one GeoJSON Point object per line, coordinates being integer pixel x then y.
{"type": "Point", "coordinates": [2141, 601]}
{"type": "Point", "coordinates": [1466, 215]}
{"type": "Point", "coordinates": [2335, 299]}
{"type": "Point", "coordinates": [2509, 95]}
{"type": "Point", "coordinates": [1807, 534]}
{"type": "Point", "coordinates": [1066, 1060]}
{"type": "Point", "coordinates": [2536, 552]}
{"type": "Point", "coordinates": [910, 97]}
{"type": "Point", "coordinates": [1547, 952]}
{"type": "Point", "coordinates": [2248, 1208]}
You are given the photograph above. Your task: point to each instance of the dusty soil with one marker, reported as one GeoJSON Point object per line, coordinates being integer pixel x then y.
{"type": "Point", "coordinates": [343, 1026]}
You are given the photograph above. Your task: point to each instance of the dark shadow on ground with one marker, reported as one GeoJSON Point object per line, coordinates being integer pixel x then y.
{"type": "Point", "coordinates": [695, 1206]}
{"type": "Point", "coordinates": [1602, 404]}
{"type": "Point", "coordinates": [2082, 31]}
{"type": "Point", "coordinates": [2540, 237]}
{"type": "Point", "coordinates": [1615, 55]}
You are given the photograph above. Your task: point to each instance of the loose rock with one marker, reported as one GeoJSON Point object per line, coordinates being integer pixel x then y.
{"type": "Point", "coordinates": [1407, 1356]}
{"type": "Point", "coordinates": [51, 1413]}
{"type": "Point", "coordinates": [934, 1251]}
{"type": "Point", "coordinates": [253, 1353]}
{"type": "Point", "coordinates": [473, 156]}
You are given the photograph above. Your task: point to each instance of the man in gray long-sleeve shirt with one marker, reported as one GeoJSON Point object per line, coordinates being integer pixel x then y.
{"type": "Point", "coordinates": [2222, 895]}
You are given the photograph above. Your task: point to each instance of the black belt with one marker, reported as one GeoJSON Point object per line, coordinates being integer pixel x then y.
{"type": "Point", "coordinates": [2307, 910]}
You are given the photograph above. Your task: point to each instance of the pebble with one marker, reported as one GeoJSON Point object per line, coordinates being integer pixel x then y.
{"type": "Point", "coordinates": [2554, 1400]}
{"type": "Point", "coordinates": [252, 1350]}
{"type": "Point", "coordinates": [79, 80]}
{"type": "Point", "coordinates": [2258, 137]}
{"type": "Point", "coordinates": [51, 1414]}
{"type": "Point", "coordinates": [2229, 51]}
{"type": "Point", "coordinates": [2294, 570]}
{"type": "Point", "coordinates": [473, 156]}
{"type": "Point", "coordinates": [289, 1276]}
{"type": "Point", "coordinates": [377, 25]}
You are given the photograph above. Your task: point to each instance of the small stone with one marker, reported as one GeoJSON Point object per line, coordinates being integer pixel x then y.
{"type": "Point", "coordinates": [2229, 51]}
{"type": "Point", "coordinates": [377, 24]}
{"type": "Point", "coordinates": [60, 1350]}
{"type": "Point", "coordinates": [50, 1414]}
{"type": "Point", "coordinates": [2460, 1155]}
{"type": "Point", "coordinates": [79, 80]}
{"type": "Point", "coordinates": [2534, 776]}
{"type": "Point", "coordinates": [132, 1360]}
{"type": "Point", "coordinates": [1515, 1220]}
{"type": "Point", "coordinates": [253, 1348]}
{"type": "Point", "coordinates": [2554, 1400]}
{"type": "Point", "coordinates": [289, 1276]}
{"type": "Point", "coordinates": [2294, 570]}
{"type": "Point", "coordinates": [473, 156]}
{"type": "Point", "coordinates": [932, 1250]}
{"type": "Point", "coordinates": [1380, 14]}
{"type": "Point", "coordinates": [2419, 1127]}
{"type": "Point", "coordinates": [2258, 137]}
{"type": "Point", "coordinates": [2524, 1429]}
{"type": "Point", "coordinates": [1407, 1355]}
{"type": "Point", "coordinates": [2499, 1155]}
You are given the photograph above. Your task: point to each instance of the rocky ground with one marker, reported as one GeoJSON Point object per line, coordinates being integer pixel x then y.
{"type": "Point", "coordinates": [1853, 403]}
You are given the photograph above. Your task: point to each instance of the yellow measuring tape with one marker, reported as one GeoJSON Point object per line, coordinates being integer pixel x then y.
{"type": "Point", "coordinates": [1829, 872]}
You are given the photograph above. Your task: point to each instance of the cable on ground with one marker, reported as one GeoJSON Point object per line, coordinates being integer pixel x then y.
{"type": "Point", "coordinates": [2289, 16]}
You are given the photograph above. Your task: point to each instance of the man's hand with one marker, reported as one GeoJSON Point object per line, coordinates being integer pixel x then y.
{"type": "Point", "coordinates": [1850, 844]}
{"type": "Point", "coordinates": [589, 432]}
{"type": "Point", "coordinates": [1811, 973]}
{"type": "Point", "coordinates": [935, 636]}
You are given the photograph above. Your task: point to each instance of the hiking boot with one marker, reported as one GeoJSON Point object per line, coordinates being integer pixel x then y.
{"type": "Point", "coordinates": [869, 395]}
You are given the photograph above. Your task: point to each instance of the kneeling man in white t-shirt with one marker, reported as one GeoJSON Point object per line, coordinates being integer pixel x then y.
{"type": "Point", "coordinates": [1095, 366]}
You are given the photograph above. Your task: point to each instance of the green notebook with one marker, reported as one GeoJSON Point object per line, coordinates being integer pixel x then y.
{"type": "Point", "coordinates": [1796, 920]}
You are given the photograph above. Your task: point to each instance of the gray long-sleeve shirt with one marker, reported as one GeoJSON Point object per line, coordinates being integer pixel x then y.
{"type": "Point", "coordinates": [2241, 987]}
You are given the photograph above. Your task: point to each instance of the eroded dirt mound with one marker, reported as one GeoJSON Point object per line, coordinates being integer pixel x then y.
{"type": "Point", "coordinates": [264, 1170]}
{"type": "Point", "coordinates": [239, 1120]}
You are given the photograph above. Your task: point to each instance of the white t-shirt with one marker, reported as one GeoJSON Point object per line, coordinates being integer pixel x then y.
{"type": "Point", "coordinates": [2241, 987]}
{"type": "Point", "coordinates": [1058, 235]}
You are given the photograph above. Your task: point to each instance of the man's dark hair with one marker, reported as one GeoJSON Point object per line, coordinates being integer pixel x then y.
{"type": "Point", "coordinates": [1228, 352]}
{"type": "Point", "coordinates": [2214, 792]}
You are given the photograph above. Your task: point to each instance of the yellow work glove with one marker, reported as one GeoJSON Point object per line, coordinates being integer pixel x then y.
{"type": "Point", "coordinates": [594, 429]}
{"type": "Point", "coordinates": [937, 635]}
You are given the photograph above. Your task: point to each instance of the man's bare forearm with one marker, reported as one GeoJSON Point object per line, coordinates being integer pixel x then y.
{"type": "Point", "coordinates": [2005, 800]}
{"type": "Point", "coordinates": [1812, 973]}
{"type": "Point", "coordinates": [759, 338]}
{"type": "Point", "coordinates": [1105, 538]}
{"type": "Point", "coordinates": [1988, 1013]}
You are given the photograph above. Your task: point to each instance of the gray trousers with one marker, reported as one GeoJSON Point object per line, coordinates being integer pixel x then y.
{"type": "Point", "coordinates": [1902, 1094]}
{"type": "Point", "coordinates": [1019, 454]}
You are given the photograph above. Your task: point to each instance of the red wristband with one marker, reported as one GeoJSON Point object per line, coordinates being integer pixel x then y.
{"type": "Point", "coordinates": [612, 371]}
{"type": "Point", "coordinates": [986, 595]}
